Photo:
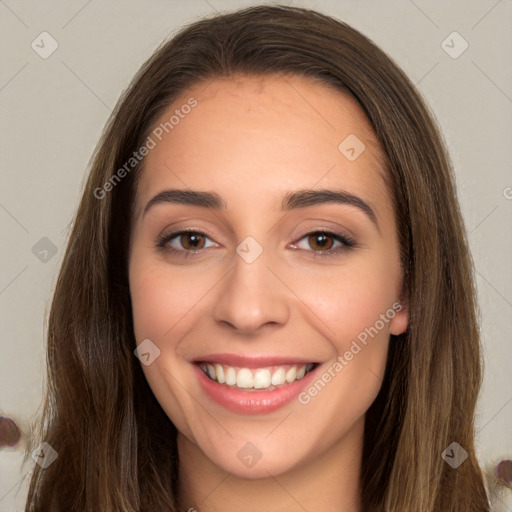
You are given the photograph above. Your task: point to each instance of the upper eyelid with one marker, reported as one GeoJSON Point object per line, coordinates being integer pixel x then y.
{"type": "Point", "coordinates": [178, 232]}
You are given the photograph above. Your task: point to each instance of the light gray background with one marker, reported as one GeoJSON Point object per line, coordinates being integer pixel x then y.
{"type": "Point", "coordinates": [54, 109]}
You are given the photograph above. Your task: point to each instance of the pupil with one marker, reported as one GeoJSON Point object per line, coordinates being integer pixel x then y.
{"type": "Point", "coordinates": [193, 240]}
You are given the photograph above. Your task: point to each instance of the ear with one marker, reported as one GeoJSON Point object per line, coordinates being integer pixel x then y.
{"type": "Point", "coordinates": [399, 323]}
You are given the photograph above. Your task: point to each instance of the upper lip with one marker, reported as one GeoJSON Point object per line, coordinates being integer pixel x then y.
{"type": "Point", "coordinates": [250, 360]}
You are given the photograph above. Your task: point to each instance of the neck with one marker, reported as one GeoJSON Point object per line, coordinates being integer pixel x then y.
{"type": "Point", "coordinates": [331, 481]}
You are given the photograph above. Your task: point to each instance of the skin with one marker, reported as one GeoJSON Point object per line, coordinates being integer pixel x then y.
{"type": "Point", "coordinates": [251, 140]}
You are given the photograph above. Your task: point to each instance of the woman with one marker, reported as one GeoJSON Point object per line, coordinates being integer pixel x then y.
{"type": "Point", "coordinates": [266, 300]}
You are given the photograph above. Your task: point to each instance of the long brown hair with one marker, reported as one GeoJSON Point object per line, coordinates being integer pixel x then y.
{"type": "Point", "coordinates": [116, 447]}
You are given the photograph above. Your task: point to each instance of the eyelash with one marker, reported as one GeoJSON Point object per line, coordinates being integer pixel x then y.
{"type": "Point", "coordinates": [347, 243]}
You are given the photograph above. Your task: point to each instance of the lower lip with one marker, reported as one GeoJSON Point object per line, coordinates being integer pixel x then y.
{"type": "Point", "coordinates": [252, 402]}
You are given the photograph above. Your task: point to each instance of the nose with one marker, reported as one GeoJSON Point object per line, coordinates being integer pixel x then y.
{"type": "Point", "coordinates": [252, 296]}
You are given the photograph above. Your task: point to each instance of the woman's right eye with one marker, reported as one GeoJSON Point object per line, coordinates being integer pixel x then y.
{"type": "Point", "coordinates": [191, 242]}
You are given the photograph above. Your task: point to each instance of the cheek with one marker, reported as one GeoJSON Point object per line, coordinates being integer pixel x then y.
{"type": "Point", "coordinates": [148, 299]}
{"type": "Point", "coordinates": [163, 310]}
{"type": "Point", "coordinates": [160, 299]}
{"type": "Point", "coordinates": [354, 309]}
{"type": "Point", "coordinates": [351, 299]}
{"type": "Point", "coordinates": [355, 316]}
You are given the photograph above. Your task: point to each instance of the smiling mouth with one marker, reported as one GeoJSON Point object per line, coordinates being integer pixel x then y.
{"type": "Point", "coordinates": [266, 378]}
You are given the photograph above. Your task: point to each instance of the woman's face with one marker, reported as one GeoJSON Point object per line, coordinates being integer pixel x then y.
{"type": "Point", "coordinates": [280, 277]}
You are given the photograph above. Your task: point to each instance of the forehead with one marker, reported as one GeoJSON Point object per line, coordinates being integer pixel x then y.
{"type": "Point", "coordinates": [251, 135]}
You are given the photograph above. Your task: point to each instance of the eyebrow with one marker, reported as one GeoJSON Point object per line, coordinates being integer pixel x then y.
{"type": "Point", "coordinates": [291, 200]}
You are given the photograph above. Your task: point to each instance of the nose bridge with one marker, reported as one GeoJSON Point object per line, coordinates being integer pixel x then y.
{"type": "Point", "coordinates": [251, 296]}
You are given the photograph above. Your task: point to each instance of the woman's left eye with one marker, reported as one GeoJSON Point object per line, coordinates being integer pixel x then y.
{"type": "Point", "coordinates": [321, 239]}
{"type": "Point", "coordinates": [192, 242]}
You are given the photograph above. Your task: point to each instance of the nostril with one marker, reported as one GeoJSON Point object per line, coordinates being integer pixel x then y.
{"type": "Point", "coordinates": [10, 434]}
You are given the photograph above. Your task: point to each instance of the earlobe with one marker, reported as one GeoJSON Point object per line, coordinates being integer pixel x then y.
{"type": "Point", "coordinates": [400, 321]}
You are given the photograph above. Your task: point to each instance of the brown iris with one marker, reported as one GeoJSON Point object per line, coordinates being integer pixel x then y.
{"type": "Point", "coordinates": [194, 239]}
{"type": "Point", "coordinates": [319, 239]}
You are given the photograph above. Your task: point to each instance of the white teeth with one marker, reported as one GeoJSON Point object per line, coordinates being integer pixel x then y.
{"type": "Point", "coordinates": [230, 376]}
{"type": "Point", "coordinates": [279, 377]}
{"type": "Point", "coordinates": [211, 370]}
{"type": "Point", "coordinates": [291, 374]}
{"type": "Point", "coordinates": [301, 372]}
{"type": "Point", "coordinates": [260, 378]}
{"type": "Point", "coordinates": [219, 370]}
{"type": "Point", "coordinates": [244, 378]}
